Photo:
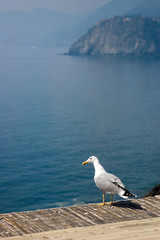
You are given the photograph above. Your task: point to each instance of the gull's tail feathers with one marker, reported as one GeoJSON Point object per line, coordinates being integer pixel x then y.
{"type": "Point", "coordinates": [124, 193]}
{"type": "Point", "coordinates": [127, 194]}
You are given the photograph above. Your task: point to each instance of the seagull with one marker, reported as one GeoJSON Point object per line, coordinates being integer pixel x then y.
{"type": "Point", "coordinates": [107, 182]}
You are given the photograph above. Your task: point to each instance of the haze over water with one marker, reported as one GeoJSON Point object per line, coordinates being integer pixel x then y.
{"type": "Point", "coordinates": [57, 110]}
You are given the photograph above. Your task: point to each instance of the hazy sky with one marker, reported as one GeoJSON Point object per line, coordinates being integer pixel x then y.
{"type": "Point", "coordinates": [68, 6]}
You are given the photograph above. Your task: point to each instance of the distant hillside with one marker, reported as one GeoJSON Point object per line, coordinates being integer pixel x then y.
{"type": "Point", "coordinates": [135, 35]}
{"type": "Point", "coordinates": [111, 9]}
{"type": "Point", "coordinates": [33, 27]}
{"type": "Point", "coordinates": [150, 8]}
{"type": "Point", "coordinates": [42, 27]}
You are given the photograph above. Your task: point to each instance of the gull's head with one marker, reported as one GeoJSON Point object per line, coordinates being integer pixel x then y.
{"type": "Point", "coordinates": [91, 159]}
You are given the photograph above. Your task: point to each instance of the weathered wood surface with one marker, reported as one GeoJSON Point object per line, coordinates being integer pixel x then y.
{"type": "Point", "coordinates": [146, 229]}
{"type": "Point", "coordinates": [21, 223]}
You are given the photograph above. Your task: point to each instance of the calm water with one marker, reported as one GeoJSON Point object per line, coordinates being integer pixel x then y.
{"type": "Point", "coordinates": [56, 111]}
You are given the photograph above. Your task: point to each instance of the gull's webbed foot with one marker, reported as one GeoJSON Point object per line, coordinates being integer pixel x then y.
{"type": "Point", "coordinates": [101, 204]}
{"type": "Point", "coordinates": [109, 203]}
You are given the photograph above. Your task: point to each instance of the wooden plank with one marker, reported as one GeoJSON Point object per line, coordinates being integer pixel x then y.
{"type": "Point", "coordinates": [61, 218]}
{"type": "Point", "coordinates": [150, 204]}
{"type": "Point", "coordinates": [110, 215]}
{"type": "Point", "coordinates": [134, 213]}
{"type": "Point", "coordinates": [68, 219]}
{"type": "Point", "coordinates": [138, 230]}
{"type": "Point", "coordinates": [86, 215]}
{"type": "Point", "coordinates": [21, 223]}
{"type": "Point", "coordinates": [79, 220]}
{"type": "Point", "coordinates": [50, 219]}
{"type": "Point", "coordinates": [8, 229]}
{"type": "Point", "coordinates": [150, 207]}
{"type": "Point", "coordinates": [18, 222]}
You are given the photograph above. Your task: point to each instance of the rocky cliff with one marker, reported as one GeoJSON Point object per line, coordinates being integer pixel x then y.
{"type": "Point", "coordinates": [135, 35]}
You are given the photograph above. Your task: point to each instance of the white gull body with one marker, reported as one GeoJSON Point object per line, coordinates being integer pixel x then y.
{"type": "Point", "coordinates": [107, 182]}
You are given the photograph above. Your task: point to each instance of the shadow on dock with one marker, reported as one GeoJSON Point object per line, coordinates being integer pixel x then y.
{"type": "Point", "coordinates": [128, 204]}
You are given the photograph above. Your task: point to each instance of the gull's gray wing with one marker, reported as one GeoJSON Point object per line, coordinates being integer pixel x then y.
{"type": "Point", "coordinates": [108, 182]}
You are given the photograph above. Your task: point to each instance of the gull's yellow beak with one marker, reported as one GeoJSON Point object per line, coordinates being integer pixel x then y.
{"type": "Point", "coordinates": [84, 163]}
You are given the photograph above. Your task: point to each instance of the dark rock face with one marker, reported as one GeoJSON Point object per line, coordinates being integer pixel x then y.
{"type": "Point", "coordinates": [155, 191]}
{"type": "Point", "coordinates": [135, 35]}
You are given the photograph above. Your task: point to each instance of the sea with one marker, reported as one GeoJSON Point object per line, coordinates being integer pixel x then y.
{"type": "Point", "coordinates": [57, 110]}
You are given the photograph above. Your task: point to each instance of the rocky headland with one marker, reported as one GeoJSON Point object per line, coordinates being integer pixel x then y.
{"type": "Point", "coordinates": [129, 35]}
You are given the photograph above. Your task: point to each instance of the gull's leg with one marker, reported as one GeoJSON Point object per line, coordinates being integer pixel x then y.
{"type": "Point", "coordinates": [111, 198]}
{"type": "Point", "coordinates": [111, 202]}
{"type": "Point", "coordinates": [103, 200]}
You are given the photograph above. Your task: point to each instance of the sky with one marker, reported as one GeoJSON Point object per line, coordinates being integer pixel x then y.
{"type": "Point", "coordinates": [67, 6]}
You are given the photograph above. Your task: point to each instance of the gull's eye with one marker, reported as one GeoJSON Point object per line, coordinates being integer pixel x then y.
{"type": "Point", "coordinates": [90, 157]}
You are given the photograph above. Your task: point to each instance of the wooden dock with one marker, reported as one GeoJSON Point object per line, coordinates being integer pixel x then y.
{"type": "Point", "coordinates": [87, 215]}
{"type": "Point", "coordinates": [147, 229]}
